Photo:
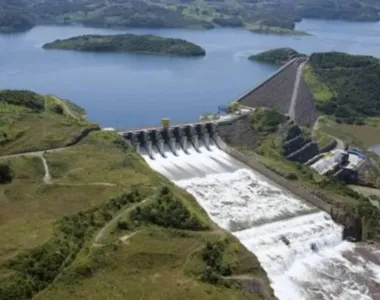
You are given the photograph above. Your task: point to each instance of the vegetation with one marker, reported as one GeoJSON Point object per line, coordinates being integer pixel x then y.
{"type": "Point", "coordinates": [27, 99]}
{"type": "Point", "coordinates": [345, 86]}
{"type": "Point", "coordinates": [168, 212]}
{"type": "Point", "coordinates": [128, 43]}
{"type": "Point", "coordinates": [361, 136]}
{"type": "Point", "coordinates": [267, 121]}
{"type": "Point", "coordinates": [15, 20]}
{"type": "Point", "coordinates": [264, 29]}
{"type": "Point", "coordinates": [320, 90]}
{"type": "Point", "coordinates": [265, 16]}
{"type": "Point", "coordinates": [277, 56]}
{"type": "Point", "coordinates": [21, 112]}
{"type": "Point", "coordinates": [6, 173]}
{"type": "Point", "coordinates": [212, 255]}
{"type": "Point", "coordinates": [35, 270]}
{"type": "Point", "coordinates": [66, 238]}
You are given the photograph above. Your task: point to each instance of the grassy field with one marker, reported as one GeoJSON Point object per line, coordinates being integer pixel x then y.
{"type": "Point", "coordinates": [22, 129]}
{"type": "Point", "coordinates": [320, 91]}
{"type": "Point", "coordinates": [362, 136]}
{"type": "Point", "coordinates": [153, 264]}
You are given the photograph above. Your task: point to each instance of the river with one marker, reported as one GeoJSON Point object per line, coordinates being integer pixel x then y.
{"type": "Point", "coordinates": [133, 90]}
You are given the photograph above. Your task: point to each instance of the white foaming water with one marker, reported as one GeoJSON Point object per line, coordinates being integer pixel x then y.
{"type": "Point", "coordinates": [300, 248]}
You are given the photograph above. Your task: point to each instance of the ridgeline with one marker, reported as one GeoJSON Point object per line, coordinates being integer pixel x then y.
{"type": "Point", "coordinates": [269, 17]}
{"type": "Point", "coordinates": [128, 43]}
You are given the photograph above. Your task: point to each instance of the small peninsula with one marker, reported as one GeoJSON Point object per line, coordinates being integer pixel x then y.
{"type": "Point", "coordinates": [278, 56]}
{"type": "Point", "coordinates": [128, 43]}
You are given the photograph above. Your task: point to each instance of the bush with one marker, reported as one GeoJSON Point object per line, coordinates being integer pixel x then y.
{"type": "Point", "coordinates": [291, 176]}
{"type": "Point", "coordinates": [267, 120]}
{"type": "Point", "coordinates": [58, 109]}
{"type": "Point", "coordinates": [122, 225]}
{"type": "Point", "coordinates": [168, 212]}
{"type": "Point", "coordinates": [213, 256]}
{"type": "Point", "coordinates": [27, 99]}
{"type": "Point", "coordinates": [6, 173]}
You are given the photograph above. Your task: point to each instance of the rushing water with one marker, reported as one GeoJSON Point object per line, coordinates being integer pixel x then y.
{"type": "Point", "coordinates": [131, 90]}
{"type": "Point", "coordinates": [300, 247]}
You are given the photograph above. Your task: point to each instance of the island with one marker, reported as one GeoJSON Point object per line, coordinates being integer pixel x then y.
{"type": "Point", "coordinates": [276, 56]}
{"type": "Point", "coordinates": [128, 43]}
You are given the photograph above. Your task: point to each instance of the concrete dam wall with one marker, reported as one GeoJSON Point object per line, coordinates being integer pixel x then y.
{"type": "Point", "coordinates": [168, 141]}
{"type": "Point", "coordinates": [276, 91]}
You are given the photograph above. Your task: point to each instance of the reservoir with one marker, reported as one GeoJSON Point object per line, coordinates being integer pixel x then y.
{"type": "Point", "coordinates": [134, 90]}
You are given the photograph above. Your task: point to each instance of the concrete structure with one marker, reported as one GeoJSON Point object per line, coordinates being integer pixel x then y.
{"type": "Point", "coordinates": [285, 91]}
{"type": "Point", "coordinates": [155, 141]}
{"type": "Point", "coordinates": [336, 161]}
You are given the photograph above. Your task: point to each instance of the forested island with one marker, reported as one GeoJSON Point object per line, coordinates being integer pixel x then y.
{"type": "Point", "coordinates": [276, 56]}
{"type": "Point", "coordinates": [128, 43]}
{"type": "Point", "coordinates": [263, 16]}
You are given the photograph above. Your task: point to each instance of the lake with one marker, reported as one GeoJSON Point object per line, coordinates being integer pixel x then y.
{"type": "Point", "coordinates": [133, 90]}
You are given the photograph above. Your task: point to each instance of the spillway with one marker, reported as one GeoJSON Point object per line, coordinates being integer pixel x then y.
{"type": "Point", "coordinates": [300, 247]}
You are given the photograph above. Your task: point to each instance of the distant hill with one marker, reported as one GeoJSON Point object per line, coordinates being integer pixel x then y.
{"type": "Point", "coordinates": [270, 16]}
{"type": "Point", "coordinates": [15, 21]}
{"type": "Point", "coordinates": [277, 56]}
{"type": "Point", "coordinates": [128, 43]}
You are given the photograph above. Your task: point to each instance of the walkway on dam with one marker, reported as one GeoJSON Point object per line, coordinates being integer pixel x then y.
{"type": "Point", "coordinates": [225, 118]}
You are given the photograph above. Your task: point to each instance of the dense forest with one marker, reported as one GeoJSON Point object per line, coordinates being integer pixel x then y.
{"type": "Point", "coordinates": [128, 43]}
{"type": "Point", "coordinates": [277, 56]}
{"type": "Point", "coordinates": [183, 13]}
{"type": "Point", "coordinates": [353, 81]}
{"type": "Point", "coordinates": [15, 20]}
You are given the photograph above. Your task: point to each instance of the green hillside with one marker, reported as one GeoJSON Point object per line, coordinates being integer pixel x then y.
{"type": "Point", "coordinates": [345, 86]}
{"type": "Point", "coordinates": [101, 224]}
{"type": "Point", "coordinates": [263, 16]}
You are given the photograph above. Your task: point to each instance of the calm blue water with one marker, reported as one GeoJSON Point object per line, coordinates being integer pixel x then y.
{"type": "Point", "coordinates": [130, 90]}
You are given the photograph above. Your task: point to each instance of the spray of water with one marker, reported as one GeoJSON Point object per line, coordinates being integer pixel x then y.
{"type": "Point", "coordinates": [300, 248]}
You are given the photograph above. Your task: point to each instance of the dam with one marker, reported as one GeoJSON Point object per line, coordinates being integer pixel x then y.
{"type": "Point", "coordinates": [299, 246]}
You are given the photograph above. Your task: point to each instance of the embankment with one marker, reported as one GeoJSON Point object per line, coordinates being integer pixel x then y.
{"type": "Point", "coordinates": [305, 109]}
{"type": "Point", "coordinates": [275, 92]}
